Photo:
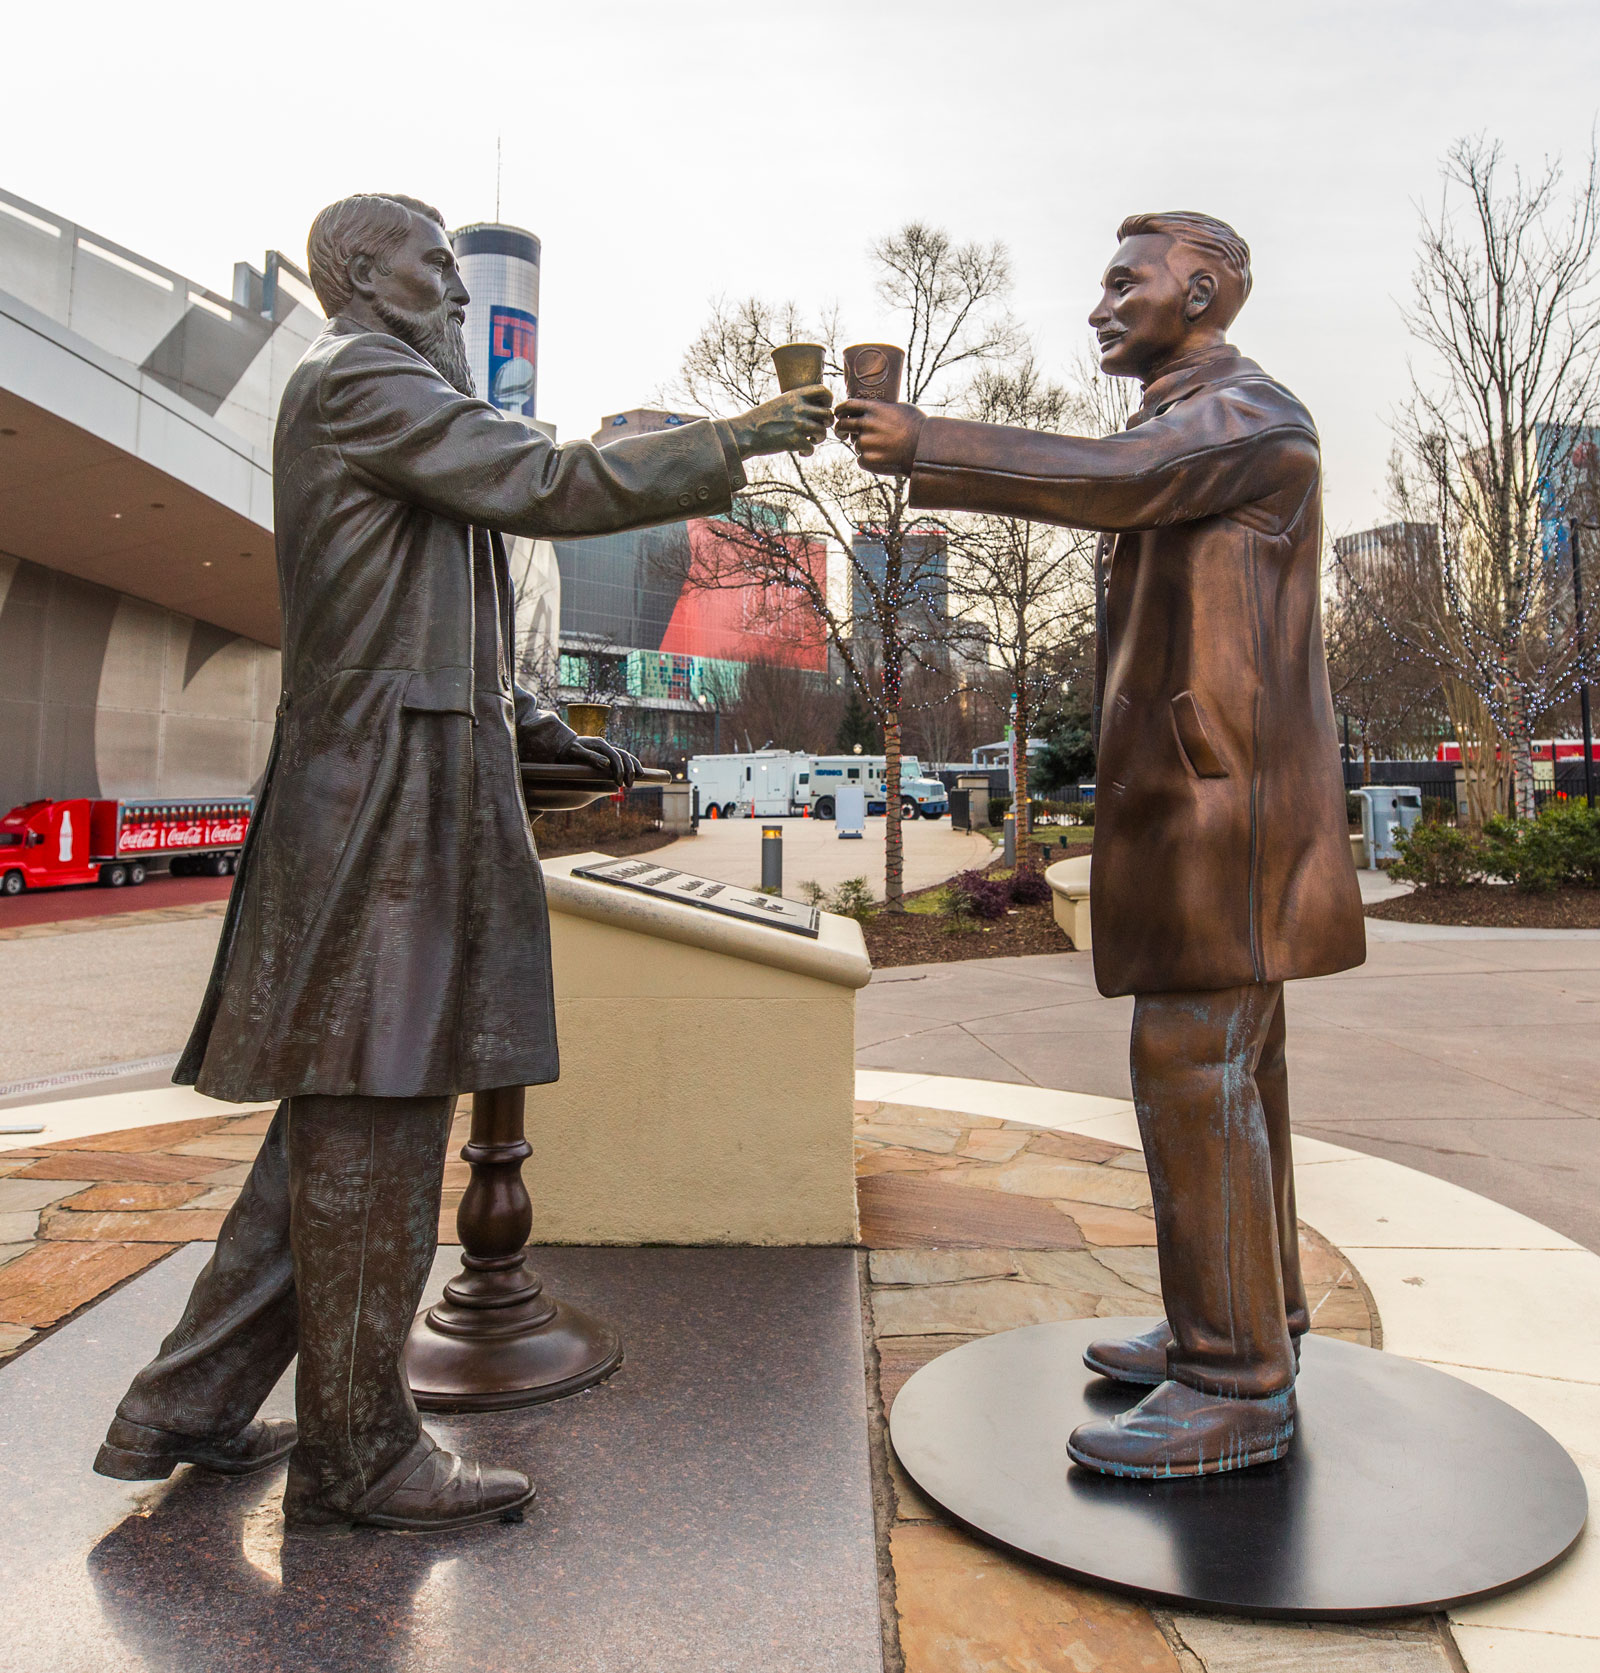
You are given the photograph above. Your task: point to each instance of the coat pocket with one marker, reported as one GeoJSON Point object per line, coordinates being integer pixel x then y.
{"type": "Point", "coordinates": [1192, 737]}
{"type": "Point", "coordinates": [440, 691]}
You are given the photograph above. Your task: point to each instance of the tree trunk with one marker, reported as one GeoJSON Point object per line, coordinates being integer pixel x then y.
{"type": "Point", "coordinates": [1019, 808]}
{"type": "Point", "coordinates": [1485, 766]}
{"type": "Point", "coordinates": [893, 848]}
{"type": "Point", "coordinates": [1521, 741]}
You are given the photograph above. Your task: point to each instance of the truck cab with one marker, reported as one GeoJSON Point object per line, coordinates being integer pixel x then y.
{"type": "Point", "coordinates": [45, 845]}
{"type": "Point", "coordinates": [918, 795]}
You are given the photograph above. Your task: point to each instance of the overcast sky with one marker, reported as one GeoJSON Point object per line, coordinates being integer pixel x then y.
{"type": "Point", "coordinates": [667, 151]}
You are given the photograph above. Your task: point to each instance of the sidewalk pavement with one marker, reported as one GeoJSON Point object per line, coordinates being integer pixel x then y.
{"type": "Point", "coordinates": [1468, 1055]}
{"type": "Point", "coordinates": [730, 851]}
{"type": "Point", "coordinates": [123, 989]}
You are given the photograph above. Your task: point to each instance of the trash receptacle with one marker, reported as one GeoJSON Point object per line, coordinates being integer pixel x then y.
{"type": "Point", "coordinates": [1385, 810]}
{"type": "Point", "coordinates": [960, 810]}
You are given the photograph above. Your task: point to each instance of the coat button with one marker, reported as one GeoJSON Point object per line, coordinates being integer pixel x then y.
{"type": "Point", "coordinates": [684, 499]}
{"type": "Point", "coordinates": [702, 493]}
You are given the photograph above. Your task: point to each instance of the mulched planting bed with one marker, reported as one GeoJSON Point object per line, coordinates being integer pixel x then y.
{"type": "Point", "coordinates": [1494, 906]}
{"type": "Point", "coordinates": [927, 937]}
{"type": "Point", "coordinates": [554, 845]}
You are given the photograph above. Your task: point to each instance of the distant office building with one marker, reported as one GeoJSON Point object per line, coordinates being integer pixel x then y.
{"type": "Point", "coordinates": [925, 571]}
{"type": "Point", "coordinates": [635, 624]}
{"type": "Point", "coordinates": [500, 266]}
{"type": "Point", "coordinates": [1393, 551]}
{"type": "Point", "coordinates": [640, 421]}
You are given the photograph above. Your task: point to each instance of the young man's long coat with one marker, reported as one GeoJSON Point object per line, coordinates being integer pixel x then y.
{"type": "Point", "coordinates": [387, 935]}
{"type": "Point", "coordinates": [1221, 854]}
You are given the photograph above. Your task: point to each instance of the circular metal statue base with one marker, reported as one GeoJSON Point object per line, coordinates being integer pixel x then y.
{"type": "Point", "coordinates": [1405, 1490]}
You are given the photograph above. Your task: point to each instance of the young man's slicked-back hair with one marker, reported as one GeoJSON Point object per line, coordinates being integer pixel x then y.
{"type": "Point", "coordinates": [1204, 233]}
{"type": "Point", "coordinates": [370, 224]}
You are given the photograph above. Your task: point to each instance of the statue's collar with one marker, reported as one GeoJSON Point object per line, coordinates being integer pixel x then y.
{"type": "Point", "coordinates": [1184, 376]}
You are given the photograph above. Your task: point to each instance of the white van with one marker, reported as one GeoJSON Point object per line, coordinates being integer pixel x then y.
{"type": "Point", "coordinates": [768, 783]}
{"type": "Point", "coordinates": [759, 784]}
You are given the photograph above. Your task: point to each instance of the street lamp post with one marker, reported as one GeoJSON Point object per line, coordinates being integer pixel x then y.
{"type": "Point", "coordinates": [1583, 683]}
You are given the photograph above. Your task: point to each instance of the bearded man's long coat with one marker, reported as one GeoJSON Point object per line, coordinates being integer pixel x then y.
{"type": "Point", "coordinates": [387, 935]}
{"type": "Point", "coordinates": [1221, 853]}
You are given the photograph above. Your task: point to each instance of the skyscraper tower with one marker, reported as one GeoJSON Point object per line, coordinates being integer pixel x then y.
{"type": "Point", "coordinates": [500, 265]}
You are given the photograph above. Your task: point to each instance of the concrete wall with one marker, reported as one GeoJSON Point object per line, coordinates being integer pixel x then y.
{"type": "Point", "coordinates": [106, 695]}
{"type": "Point", "coordinates": [707, 1087]}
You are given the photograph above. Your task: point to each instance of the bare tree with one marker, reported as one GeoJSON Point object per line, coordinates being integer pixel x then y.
{"type": "Point", "coordinates": [1506, 307]}
{"type": "Point", "coordinates": [777, 702]}
{"type": "Point", "coordinates": [1390, 694]}
{"type": "Point", "coordinates": [890, 616]}
{"type": "Point", "coordinates": [1030, 585]}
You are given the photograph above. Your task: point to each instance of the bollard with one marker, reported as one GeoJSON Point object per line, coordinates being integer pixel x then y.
{"type": "Point", "coordinates": [1009, 851]}
{"type": "Point", "coordinates": [772, 859]}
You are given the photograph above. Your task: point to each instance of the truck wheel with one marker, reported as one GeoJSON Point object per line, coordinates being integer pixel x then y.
{"type": "Point", "coordinates": [113, 876]}
{"type": "Point", "coordinates": [729, 809]}
{"type": "Point", "coordinates": [219, 865]}
{"type": "Point", "coordinates": [232, 863]}
{"type": "Point", "coordinates": [824, 808]}
{"type": "Point", "coordinates": [136, 873]}
{"type": "Point", "coordinates": [908, 808]}
{"type": "Point", "coordinates": [712, 812]}
{"type": "Point", "coordinates": [12, 883]}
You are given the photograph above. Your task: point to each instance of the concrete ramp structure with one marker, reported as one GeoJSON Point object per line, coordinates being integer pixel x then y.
{"type": "Point", "coordinates": [138, 592]}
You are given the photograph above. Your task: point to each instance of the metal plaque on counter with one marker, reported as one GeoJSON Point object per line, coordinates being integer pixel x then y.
{"type": "Point", "coordinates": [706, 893]}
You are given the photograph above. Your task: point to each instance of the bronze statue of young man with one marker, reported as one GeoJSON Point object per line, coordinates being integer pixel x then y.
{"type": "Point", "coordinates": [1221, 867]}
{"type": "Point", "coordinates": [387, 946]}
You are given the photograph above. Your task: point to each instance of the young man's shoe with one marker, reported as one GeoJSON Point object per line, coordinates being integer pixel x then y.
{"type": "Point", "coordinates": [1142, 1359]}
{"type": "Point", "coordinates": [1180, 1431]}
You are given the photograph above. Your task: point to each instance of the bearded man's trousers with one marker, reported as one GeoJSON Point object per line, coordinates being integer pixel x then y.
{"type": "Point", "coordinates": [1212, 1094]}
{"type": "Point", "coordinates": [325, 1253]}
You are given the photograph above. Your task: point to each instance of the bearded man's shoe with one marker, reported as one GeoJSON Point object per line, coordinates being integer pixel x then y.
{"type": "Point", "coordinates": [428, 1491]}
{"type": "Point", "coordinates": [1181, 1431]}
{"type": "Point", "coordinates": [1141, 1359]}
{"type": "Point", "coordinates": [136, 1452]}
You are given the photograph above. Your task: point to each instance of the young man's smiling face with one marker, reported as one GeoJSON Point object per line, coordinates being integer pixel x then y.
{"type": "Point", "coordinates": [1155, 302]}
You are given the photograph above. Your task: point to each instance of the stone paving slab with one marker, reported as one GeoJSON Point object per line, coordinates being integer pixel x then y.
{"type": "Point", "coordinates": [707, 1509]}
{"type": "Point", "coordinates": [962, 1606]}
{"type": "Point", "coordinates": [955, 1253]}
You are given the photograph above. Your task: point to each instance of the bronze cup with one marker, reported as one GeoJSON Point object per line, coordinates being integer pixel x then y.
{"type": "Point", "coordinates": [798, 365]}
{"type": "Point", "coordinates": [588, 720]}
{"type": "Point", "coordinates": [872, 371]}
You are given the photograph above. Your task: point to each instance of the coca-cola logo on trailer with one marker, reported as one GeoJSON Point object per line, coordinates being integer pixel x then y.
{"type": "Point", "coordinates": [145, 834]}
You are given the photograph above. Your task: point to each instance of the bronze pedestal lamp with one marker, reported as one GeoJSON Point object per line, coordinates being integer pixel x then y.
{"type": "Point", "coordinates": [497, 1340]}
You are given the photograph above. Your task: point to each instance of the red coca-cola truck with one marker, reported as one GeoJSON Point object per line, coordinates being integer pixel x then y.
{"type": "Point", "coordinates": [50, 844]}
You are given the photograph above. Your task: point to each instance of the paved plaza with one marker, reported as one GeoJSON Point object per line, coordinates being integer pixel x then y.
{"type": "Point", "coordinates": [91, 991]}
{"type": "Point", "coordinates": [813, 852]}
{"type": "Point", "coordinates": [1467, 1055]}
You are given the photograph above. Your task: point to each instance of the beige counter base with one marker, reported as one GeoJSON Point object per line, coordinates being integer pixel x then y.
{"type": "Point", "coordinates": [707, 1075]}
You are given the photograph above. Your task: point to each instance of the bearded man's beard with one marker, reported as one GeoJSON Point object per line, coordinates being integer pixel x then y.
{"type": "Point", "coordinates": [436, 337]}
